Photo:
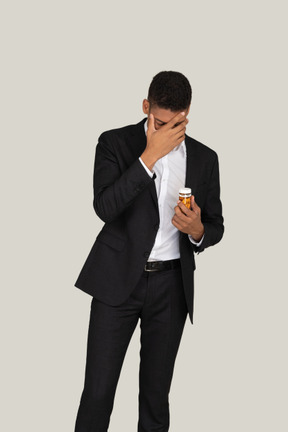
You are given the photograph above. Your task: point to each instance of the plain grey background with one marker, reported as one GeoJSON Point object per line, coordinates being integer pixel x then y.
{"type": "Point", "coordinates": [69, 71]}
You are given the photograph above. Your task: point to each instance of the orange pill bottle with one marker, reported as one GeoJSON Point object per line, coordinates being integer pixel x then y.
{"type": "Point", "coordinates": [185, 196]}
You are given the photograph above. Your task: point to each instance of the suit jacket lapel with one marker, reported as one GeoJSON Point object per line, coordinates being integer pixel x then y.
{"type": "Point", "coordinates": [138, 145]}
{"type": "Point", "coordinates": [192, 165]}
{"type": "Point", "coordinates": [137, 140]}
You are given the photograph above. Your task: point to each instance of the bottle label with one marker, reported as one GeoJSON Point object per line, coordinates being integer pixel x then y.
{"type": "Point", "coordinates": [186, 201]}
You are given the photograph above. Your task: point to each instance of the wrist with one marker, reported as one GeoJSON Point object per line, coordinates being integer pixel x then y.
{"type": "Point", "coordinates": [148, 159]}
{"type": "Point", "coordinates": [197, 236]}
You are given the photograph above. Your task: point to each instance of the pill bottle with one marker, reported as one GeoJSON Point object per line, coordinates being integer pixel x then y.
{"type": "Point", "coordinates": [185, 196]}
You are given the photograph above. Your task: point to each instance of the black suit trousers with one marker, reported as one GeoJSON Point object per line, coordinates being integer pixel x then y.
{"type": "Point", "coordinates": [158, 301]}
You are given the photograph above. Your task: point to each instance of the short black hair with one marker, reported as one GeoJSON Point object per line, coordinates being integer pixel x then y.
{"type": "Point", "coordinates": [170, 90]}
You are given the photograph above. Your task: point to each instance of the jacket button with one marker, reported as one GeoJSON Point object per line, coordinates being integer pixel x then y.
{"type": "Point", "coordinates": [146, 254]}
{"type": "Point", "coordinates": [156, 227]}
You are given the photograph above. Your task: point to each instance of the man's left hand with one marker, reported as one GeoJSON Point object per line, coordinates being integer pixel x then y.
{"type": "Point", "coordinates": [189, 221]}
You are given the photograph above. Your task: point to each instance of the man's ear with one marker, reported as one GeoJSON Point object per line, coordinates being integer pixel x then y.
{"type": "Point", "coordinates": [145, 106]}
{"type": "Point", "coordinates": [187, 112]}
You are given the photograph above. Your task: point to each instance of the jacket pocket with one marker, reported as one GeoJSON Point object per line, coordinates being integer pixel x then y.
{"type": "Point", "coordinates": [111, 240]}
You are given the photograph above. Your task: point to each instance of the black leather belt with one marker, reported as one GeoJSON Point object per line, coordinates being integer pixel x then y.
{"type": "Point", "coordinates": [152, 266]}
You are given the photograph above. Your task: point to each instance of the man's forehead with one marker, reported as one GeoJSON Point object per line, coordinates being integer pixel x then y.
{"type": "Point", "coordinates": [163, 116]}
{"type": "Point", "coordinates": [164, 123]}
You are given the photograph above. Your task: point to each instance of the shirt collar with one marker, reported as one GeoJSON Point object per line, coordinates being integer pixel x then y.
{"type": "Point", "coordinates": [180, 146]}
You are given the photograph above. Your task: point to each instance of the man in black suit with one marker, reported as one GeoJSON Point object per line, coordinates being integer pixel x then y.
{"type": "Point", "coordinates": [142, 262]}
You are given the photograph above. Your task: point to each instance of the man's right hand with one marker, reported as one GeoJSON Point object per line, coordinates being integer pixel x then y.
{"type": "Point", "coordinates": [160, 142]}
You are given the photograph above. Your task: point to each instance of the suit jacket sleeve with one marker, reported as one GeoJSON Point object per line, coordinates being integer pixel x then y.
{"type": "Point", "coordinates": [115, 185]}
{"type": "Point", "coordinates": [211, 213]}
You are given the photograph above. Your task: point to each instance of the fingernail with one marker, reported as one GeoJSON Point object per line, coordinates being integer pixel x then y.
{"type": "Point", "coordinates": [183, 113]}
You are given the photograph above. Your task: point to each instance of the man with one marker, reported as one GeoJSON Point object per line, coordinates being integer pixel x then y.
{"type": "Point", "coordinates": [142, 262]}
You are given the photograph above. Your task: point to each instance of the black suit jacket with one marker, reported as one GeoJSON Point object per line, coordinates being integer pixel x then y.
{"type": "Point", "coordinates": [125, 199]}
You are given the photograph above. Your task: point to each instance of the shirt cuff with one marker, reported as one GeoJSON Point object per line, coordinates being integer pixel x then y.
{"type": "Point", "coordinates": [194, 242]}
{"type": "Point", "coordinates": [147, 169]}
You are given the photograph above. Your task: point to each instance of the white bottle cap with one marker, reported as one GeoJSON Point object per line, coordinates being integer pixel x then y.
{"type": "Point", "coordinates": [185, 191]}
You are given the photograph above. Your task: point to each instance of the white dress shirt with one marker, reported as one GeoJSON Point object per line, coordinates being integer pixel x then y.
{"type": "Point", "coordinates": [170, 173]}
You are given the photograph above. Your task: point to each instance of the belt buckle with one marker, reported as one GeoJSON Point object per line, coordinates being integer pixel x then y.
{"type": "Point", "coordinates": [149, 270]}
